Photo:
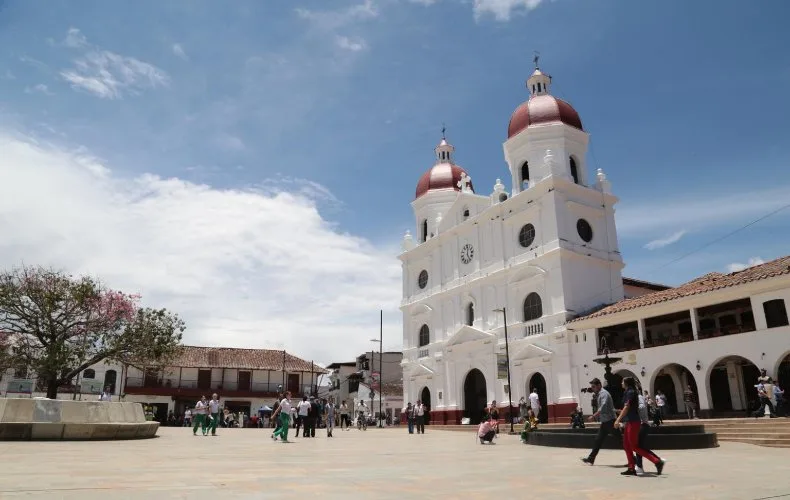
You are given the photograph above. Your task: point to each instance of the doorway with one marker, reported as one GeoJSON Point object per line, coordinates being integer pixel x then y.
{"type": "Point", "coordinates": [245, 379]}
{"type": "Point", "coordinates": [475, 396]}
{"type": "Point", "coordinates": [204, 379]}
{"type": "Point", "coordinates": [293, 383]}
{"type": "Point", "coordinates": [538, 384]}
{"type": "Point", "coordinates": [425, 398]}
{"type": "Point", "coordinates": [110, 377]}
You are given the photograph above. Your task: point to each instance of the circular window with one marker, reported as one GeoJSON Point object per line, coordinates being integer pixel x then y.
{"type": "Point", "coordinates": [527, 235]}
{"type": "Point", "coordinates": [585, 230]}
{"type": "Point", "coordinates": [422, 280]}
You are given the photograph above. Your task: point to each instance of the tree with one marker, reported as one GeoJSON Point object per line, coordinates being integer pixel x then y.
{"type": "Point", "coordinates": [57, 325]}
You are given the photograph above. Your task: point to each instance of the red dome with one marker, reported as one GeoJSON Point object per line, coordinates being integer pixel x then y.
{"type": "Point", "coordinates": [441, 176]}
{"type": "Point", "coordinates": [542, 109]}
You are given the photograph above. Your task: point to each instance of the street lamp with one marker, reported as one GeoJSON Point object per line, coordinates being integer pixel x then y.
{"type": "Point", "coordinates": [509, 386]}
{"type": "Point", "coordinates": [380, 341]}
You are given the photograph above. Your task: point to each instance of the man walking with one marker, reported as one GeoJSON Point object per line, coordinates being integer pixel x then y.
{"type": "Point", "coordinates": [419, 415]}
{"type": "Point", "coordinates": [302, 410]}
{"type": "Point", "coordinates": [410, 417]}
{"type": "Point", "coordinates": [213, 407]}
{"type": "Point", "coordinates": [199, 416]}
{"type": "Point", "coordinates": [606, 416]}
{"type": "Point", "coordinates": [534, 403]}
{"type": "Point", "coordinates": [690, 400]}
{"type": "Point", "coordinates": [106, 395]}
{"type": "Point", "coordinates": [330, 417]}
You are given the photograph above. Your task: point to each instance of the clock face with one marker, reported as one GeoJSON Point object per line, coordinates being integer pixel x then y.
{"type": "Point", "coordinates": [467, 253]}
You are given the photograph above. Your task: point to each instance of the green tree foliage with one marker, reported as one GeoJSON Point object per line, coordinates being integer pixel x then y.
{"type": "Point", "coordinates": [56, 325]}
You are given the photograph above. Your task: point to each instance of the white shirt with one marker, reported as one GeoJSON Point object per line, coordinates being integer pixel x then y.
{"type": "Point", "coordinates": [200, 408]}
{"type": "Point", "coordinates": [534, 401]}
{"type": "Point", "coordinates": [285, 406]}
{"type": "Point", "coordinates": [213, 406]}
{"type": "Point", "coordinates": [660, 400]}
{"type": "Point", "coordinates": [105, 396]}
{"type": "Point", "coordinates": [188, 414]}
{"type": "Point", "coordinates": [362, 408]}
{"type": "Point", "coordinates": [344, 409]}
{"type": "Point", "coordinates": [304, 408]}
{"type": "Point", "coordinates": [419, 410]}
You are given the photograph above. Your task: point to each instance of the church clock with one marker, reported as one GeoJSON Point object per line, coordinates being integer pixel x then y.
{"type": "Point", "coordinates": [467, 253]}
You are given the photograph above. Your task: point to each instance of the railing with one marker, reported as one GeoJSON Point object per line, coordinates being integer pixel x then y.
{"type": "Point", "coordinates": [534, 327]}
{"type": "Point", "coordinates": [139, 385]}
{"type": "Point", "coordinates": [424, 353]}
{"type": "Point", "coordinates": [725, 330]}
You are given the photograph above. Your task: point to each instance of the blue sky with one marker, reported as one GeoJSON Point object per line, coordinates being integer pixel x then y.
{"type": "Point", "coordinates": [259, 123]}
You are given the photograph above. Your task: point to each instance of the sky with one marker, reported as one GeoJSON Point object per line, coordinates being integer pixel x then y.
{"type": "Point", "coordinates": [250, 164]}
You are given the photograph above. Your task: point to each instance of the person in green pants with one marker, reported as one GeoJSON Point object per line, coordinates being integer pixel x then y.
{"type": "Point", "coordinates": [283, 412]}
{"type": "Point", "coordinates": [199, 416]}
{"type": "Point", "coordinates": [213, 408]}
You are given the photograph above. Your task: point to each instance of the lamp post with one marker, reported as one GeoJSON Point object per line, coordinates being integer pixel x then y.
{"type": "Point", "coordinates": [380, 341]}
{"type": "Point", "coordinates": [507, 360]}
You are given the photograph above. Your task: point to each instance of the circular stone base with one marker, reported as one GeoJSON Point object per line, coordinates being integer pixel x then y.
{"type": "Point", "coordinates": [52, 419]}
{"type": "Point", "coordinates": [675, 437]}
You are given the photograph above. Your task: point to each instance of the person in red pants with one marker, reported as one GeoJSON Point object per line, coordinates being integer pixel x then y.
{"type": "Point", "coordinates": [630, 413]}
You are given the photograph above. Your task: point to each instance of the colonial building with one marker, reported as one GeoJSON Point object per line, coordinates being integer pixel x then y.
{"type": "Point", "coordinates": [245, 379]}
{"type": "Point", "coordinates": [527, 261]}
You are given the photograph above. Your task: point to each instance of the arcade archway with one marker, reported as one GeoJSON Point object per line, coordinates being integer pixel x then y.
{"type": "Point", "coordinates": [783, 372]}
{"type": "Point", "coordinates": [672, 380]}
{"type": "Point", "coordinates": [616, 386]}
{"type": "Point", "coordinates": [475, 396]}
{"type": "Point", "coordinates": [538, 384]}
{"type": "Point", "coordinates": [425, 398]}
{"type": "Point", "coordinates": [731, 383]}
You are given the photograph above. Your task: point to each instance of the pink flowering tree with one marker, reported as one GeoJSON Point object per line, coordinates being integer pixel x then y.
{"type": "Point", "coordinates": [56, 325]}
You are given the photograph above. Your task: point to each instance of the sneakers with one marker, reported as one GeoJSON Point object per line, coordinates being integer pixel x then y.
{"type": "Point", "coordinates": [660, 466]}
{"type": "Point", "coordinates": [481, 441]}
{"type": "Point", "coordinates": [588, 460]}
{"type": "Point", "coordinates": [639, 471]}
{"type": "Point", "coordinates": [628, 472]}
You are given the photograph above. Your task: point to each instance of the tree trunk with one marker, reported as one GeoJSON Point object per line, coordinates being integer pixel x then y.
{"type": "Point", "coordinates": [52, 388]}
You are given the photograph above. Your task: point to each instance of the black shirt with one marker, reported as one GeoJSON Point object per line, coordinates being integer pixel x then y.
{"type": "Point", "coordinates": [630, 398]}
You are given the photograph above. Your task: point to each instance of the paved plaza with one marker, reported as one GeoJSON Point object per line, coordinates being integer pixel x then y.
{"type": "Point", "coordinates": [376, 464]}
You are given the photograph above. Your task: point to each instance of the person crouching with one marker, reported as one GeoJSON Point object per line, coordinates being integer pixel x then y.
{"type": "Point", "coordinates": [486, 431]}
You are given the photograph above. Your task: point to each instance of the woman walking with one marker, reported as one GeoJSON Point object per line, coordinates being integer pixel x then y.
{"type": "Point", "coordinates": [199, 416]}
{"type": "Point", "coordinates": [283, 411]}
{"type": "Point", "coordinates": [630, 413]}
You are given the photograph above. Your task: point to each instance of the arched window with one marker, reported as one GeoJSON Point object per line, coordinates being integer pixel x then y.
{"type": "Point", "coordinates": [425, 336]}
{"type": "Point", "coordinates": [89, 373]}
{"type": "Point", "coordinates": [525, 175]}
{"type": "Point", "coordinates": [470, 314]}
{"type": "Point", "coordinates": [577, 338]}
{"type": "Point", "coordinates": [574, 171]}
{"type": "Point", "coordinates": [424, 235]}
{"type": "Point", "coordinates": [466, 213]}
{"type": "Point", "coordinates": [533, 307]}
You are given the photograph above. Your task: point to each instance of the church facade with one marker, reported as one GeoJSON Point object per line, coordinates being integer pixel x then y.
{"type": "Point", "coordinates": [522, 274]}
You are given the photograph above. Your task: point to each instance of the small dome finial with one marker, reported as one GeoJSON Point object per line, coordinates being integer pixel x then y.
{"type": "Point", "coordinates": [444, 151]}
{"type": "Point", "coordinates": [536, 59]}
{"type": "Point", "coordinates": [538, 83]}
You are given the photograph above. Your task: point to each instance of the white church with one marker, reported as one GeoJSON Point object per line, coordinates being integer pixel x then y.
{"type": "Point", "coordinates": [544, 254]}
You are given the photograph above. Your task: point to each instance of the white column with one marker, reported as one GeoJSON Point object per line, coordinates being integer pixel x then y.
{"type": "Point", "coordinates": [694, 323]}
{"type": "Point", "coordinates": [641, 325]}
{"type": "Point", "coordinates": [734, 380]}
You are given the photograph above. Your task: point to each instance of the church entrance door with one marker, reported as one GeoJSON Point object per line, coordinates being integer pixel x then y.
{"type": "Point", "coordinates": [538, 383]}
{"type": "Point", "coordinates": [475, 395]}
{"type": "Point", "coordinates": [425, 398]}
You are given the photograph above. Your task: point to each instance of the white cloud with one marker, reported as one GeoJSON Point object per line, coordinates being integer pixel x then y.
{"type": "Point", "coordinates": [347, 43]}
{"type": "Point", "coordinates": [502, 10]}
{"type": "Point", "coordinates": [663, 242]}
{"type": "Point", "coordinates": [75, 39]}
{"type": "Point", "coordinates": [109, 75]}
{"type": "Point", "coordinates": [699, 211]}
{"type": "Point", "coordinates": [229, 142]}
{"type": "Point", "coordinates": [244, 267]}
{"type": "Point", "coordinates": [737, 266]}
{"type": "Point", "coordinates": [424, 2]}
{"type": "Point", "coordinates": [178, 51]}
{"type": "Point", "coordinates": [38, 89]}
{"type": "Point", "coordinates": [331, 20]}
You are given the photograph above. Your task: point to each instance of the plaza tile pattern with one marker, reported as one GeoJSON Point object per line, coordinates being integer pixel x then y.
{"type": "Point", "coordinates": [374, 464]}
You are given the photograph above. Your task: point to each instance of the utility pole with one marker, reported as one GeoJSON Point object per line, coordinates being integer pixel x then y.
{"type": "Point", "coordinates": [312, 378]}
{"type": "Point", "coordinates": [507, 360]}
{"type": "Point", "coordinates": [381, 365]}
{"type": "Point", "coordinates": [284, 388]}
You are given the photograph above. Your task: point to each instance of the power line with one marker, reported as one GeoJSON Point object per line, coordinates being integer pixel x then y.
{"type": "Point", "coordinates": [711, 243]}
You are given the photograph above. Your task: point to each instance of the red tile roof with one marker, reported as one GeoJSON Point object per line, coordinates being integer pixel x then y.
{"type": "Point", "coordinates": [707, 283]}
{"type": "Point", "coordinates": [648, 285]}
{"type": "Point", "coordinates": [251, 359]}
